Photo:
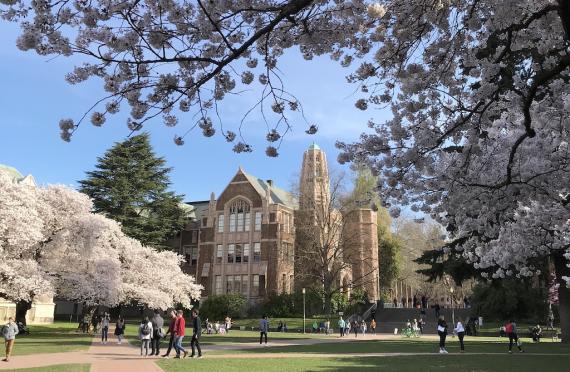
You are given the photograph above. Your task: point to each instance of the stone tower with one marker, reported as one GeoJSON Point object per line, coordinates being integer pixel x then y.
{"type": "Point", "coordinates": [314, 185]}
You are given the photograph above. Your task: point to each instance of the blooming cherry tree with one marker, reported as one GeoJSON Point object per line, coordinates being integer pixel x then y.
{"type": "Point", "coordinates": [52, 243]}
{"type": "Point", "coordinates": [479, 136]}
{"type": "Point", "coordinates": [170, 57]}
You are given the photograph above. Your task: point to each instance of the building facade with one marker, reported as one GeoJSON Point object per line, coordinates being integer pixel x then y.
{"type": "Point", "coordinates": [243, 241]}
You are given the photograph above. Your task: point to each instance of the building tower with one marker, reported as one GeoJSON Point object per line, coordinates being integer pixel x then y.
{"type": "Point", "coordinates": [314, 185]}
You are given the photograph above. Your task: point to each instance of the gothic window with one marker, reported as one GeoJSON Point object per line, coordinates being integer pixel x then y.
{"type": "Point", "coordinates": [239, 216]}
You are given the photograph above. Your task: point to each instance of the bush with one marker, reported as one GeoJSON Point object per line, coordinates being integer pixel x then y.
{"type": "Point", "coordinates": [510, 298]}
{"type": "Point", "coordinates": [233, 305]}
{"type": "Point", "coordinates": [288, 305]}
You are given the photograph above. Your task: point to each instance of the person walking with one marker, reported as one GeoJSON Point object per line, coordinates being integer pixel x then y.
{"type": "Point", "coordinates": [157, 333]}
{"type": "Point", "coordinates": [9, 332]}
{"type": "Point", "coordinates": [373, 326]}
{"type": "Point", "coordinates": [171, 332]}
{"type": "Point", "coordinates": [196, 332]}
{"type": "Point", "coordinates": [105, 327]}
{"type": "Point", "coordinates": [263, 329]}
{"type": "Point", "coordinates": [442, 332]}
{"type": "Point", "coordinates": [179, 332]}
{"type": "Point", "coordinates": [341, 326]}
{"type": "Point", "coordinates": [511, 330]}
{"type": "Point", "coordinates": [355, 325]}
{"type": "Point", "coordinates": [145, 335]}
{"type": "Point", "coordinates": [459, 330]}
{"type": "Point", "coordinates": [120, 329]}
{"type": "Point", "coordinates": [437, 308]}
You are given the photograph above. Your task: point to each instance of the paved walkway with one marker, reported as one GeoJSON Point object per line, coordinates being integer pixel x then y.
{"type": "Point", "coordinates": [103, 358]}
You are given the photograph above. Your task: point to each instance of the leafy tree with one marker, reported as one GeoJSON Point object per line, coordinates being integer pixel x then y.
{"type": "Point", "coordinates": [130, 186]}
{"type": "Point", "coordinates": [217, 307]}
{"type": "Point", "coordinates": [510, 298]}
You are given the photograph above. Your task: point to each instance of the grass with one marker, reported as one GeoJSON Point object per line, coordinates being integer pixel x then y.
{"type": "Point", "coordinates": [423, 345]}
{"type": "Point", "coordinates": [519, 363]}
{"type": "Point", "coordinates": [51, 338]}
{"type": "Point", "coordinates": [59, 368]}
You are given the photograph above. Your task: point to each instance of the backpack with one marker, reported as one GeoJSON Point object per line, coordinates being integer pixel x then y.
{"type": "Point", "coordinates": [509, 328]}
{"type": "Point", "coordinates": [145, 330]}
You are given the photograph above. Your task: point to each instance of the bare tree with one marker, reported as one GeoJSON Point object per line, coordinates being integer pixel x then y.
{"type": "Point", "coordinates": [328, 245]}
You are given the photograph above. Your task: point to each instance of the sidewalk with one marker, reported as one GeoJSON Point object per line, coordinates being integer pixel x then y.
{"type": "Point", "coordinates": [108, 357]}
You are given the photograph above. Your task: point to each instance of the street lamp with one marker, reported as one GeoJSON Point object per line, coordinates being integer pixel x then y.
{"type": "Point", "coordinates": [303, 310]}
{"type": "Point", "coordinates": [452, 307]}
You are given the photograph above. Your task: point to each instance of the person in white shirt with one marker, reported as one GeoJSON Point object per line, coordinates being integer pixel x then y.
{"type": "Point", "coordinates": [145, 334]}
{"type": "Point", "coordinates": [460, 332]}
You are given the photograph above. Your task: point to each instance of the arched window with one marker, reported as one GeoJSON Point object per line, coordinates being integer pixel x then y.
{"type": "Point", "coordinates": [239, 216]}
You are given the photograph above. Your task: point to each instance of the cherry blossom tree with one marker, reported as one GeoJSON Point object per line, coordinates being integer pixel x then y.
{"type": "Point", "coordinates": [478, 91]}
{"type": "Point", "coordinates": [51, 243]}
{"type": "Point", "coordinates": [170, 57]}
{"type": "Point", "coordinates": [479, 134]}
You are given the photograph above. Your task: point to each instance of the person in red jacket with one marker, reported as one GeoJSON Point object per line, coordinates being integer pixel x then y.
{"type": "Point", "coordinates": [179, 332]}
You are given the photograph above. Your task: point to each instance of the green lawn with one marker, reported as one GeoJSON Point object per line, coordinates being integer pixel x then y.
{"type": "Point", "coordinates": [59, 368]}
{"type": "Point", "coordinates": [52, 338]}
{"type": "Point", "coordinates": [473, 345]}
{"type": "Point", "coordinates": [515, 362]}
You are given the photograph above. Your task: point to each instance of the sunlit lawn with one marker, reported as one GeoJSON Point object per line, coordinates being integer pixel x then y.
{"type": "Point", "coordinates": [52, 338]}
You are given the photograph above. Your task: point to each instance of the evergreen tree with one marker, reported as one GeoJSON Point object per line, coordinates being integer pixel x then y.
{"type": "Point", "coordinates": [130, 186]}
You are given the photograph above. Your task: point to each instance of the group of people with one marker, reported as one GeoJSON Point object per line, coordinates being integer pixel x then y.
{"type": "Point", "coordinates": [510, 329]}
{"type": "Point", "coordinates": [218, 327]}
{"type": "Point", "coordinates": [152, 331]}
{"type": "Point", "coordinates": [346, 327]}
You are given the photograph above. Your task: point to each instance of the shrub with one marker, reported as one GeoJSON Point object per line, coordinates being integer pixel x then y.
{"type": "Point", "coordinates": [218, 307]}
{"type": "Point", "coordinates": [510, 298]}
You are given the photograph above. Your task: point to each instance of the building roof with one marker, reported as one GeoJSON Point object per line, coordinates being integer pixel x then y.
{"type": "Point", "coordinates": [314, 146]}
{"type": "Point", "coordinates": [196, 209]}
{"type": "Point", "coordinates": [278, 196]}
{"type": "Point", "coordinates": [17, 176]}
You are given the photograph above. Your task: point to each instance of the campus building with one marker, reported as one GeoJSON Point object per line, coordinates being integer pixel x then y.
{"type": "Point", "coordinates": [245, 240]}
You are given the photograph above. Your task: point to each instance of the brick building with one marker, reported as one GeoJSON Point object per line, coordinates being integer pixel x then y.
{"type": "Point", "coordinates": [244, 240]}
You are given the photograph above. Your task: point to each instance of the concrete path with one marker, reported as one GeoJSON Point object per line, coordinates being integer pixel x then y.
{"type": "Point", "coordinates": [103, 358]}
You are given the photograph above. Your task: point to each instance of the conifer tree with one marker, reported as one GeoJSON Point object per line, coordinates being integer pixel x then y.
{"type": "Point", "coordinates": [130, 185]}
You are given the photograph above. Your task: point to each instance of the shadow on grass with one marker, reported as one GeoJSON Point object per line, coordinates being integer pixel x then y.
{"type": "Point", "coordinates": [407, 346]}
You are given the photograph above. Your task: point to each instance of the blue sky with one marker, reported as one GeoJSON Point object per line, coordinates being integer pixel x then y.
{"type": "Point", "coordinates": [34, 97]}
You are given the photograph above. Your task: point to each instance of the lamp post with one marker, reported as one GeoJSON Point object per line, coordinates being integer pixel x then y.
{"type": "Point", "coordinates": [452, 307]}
{"type": "Point", "coordinates": [303, 310]}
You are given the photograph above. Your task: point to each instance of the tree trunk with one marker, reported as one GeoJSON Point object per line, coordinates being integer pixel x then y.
{"type": "Point", "coordinates": [560, 263]}
{"type": "Point", "coordinates": [22, 308]}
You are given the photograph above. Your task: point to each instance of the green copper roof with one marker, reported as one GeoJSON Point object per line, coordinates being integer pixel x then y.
{"type": "Point", "coordinates": [11, 171]}
{"type": "Point", "coordinates": [278, 196]}
{"type": "Point", "coordinates": [314, 146]}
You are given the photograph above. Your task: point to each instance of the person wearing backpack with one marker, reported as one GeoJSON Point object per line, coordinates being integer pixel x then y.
{"type": "Point", "coordinates": [157, 333]}
{"type": "Point", "coordinates": [442, 332]}
{"type": "Point", "coordinates": [145, 335]}
{"type": "Point", "coordinates": [511, 330]}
